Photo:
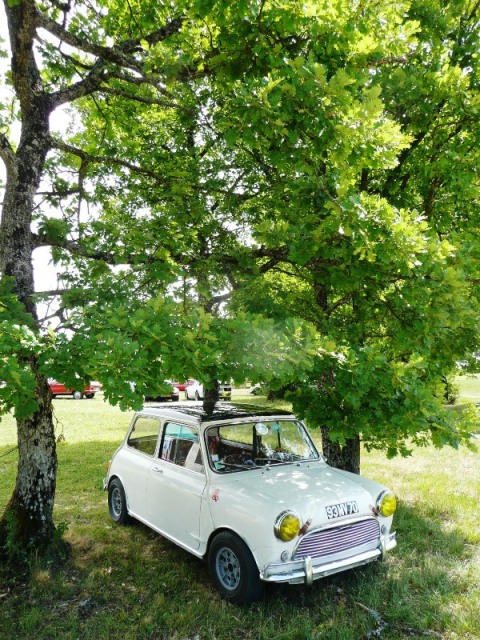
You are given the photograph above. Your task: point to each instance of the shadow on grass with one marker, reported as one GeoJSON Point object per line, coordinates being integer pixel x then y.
{"type": "Point", "coordinates": [122, 576]}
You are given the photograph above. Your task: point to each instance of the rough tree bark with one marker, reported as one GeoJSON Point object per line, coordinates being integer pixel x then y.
{"type": "Point", "coordinates": [27, 522]}
{"type": "Point", "coordinates": [28, 518]}
{"type": "Point", "coordinates": [346, 457]}
{"type": "Point", "coordinates": [210, 396]}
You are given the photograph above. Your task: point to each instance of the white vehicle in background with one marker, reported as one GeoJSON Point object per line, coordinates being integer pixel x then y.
{"type": "Point", "coordinates": [194, 391]}
{"type": "Point", "coordinates": [245, 489]}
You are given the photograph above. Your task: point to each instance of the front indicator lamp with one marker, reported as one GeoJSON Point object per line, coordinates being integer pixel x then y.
{"type": "Point", "coordinates": [287, 526]}
{"type": "Point", "coordinates": [386, 504]}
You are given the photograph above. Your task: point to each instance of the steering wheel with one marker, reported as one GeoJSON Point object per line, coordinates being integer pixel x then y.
{"type": "Point", "coordinates": [243, 459]}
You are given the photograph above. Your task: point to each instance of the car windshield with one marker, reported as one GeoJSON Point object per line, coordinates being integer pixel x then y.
{"type": "Point", "coordinates": [239, 447]}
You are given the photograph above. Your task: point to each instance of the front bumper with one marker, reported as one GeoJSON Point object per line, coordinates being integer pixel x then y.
{"type": "Point", "coordinates": [308, 569]}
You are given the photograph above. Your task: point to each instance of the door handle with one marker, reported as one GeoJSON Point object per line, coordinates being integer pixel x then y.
{"type": "Point", "coordinates": [157, 469]}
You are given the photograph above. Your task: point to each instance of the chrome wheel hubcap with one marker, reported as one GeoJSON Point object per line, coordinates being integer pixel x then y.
{"type": "Point", "coordinates": [228, 568]}
{"type": "Point", "coordinates": [116, 502]}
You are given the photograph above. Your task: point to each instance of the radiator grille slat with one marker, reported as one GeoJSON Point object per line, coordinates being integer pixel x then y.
{"type": "Point", "coordinates": [329, 541]}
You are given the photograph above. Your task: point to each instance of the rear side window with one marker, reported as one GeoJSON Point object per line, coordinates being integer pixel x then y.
{"type": "Point", "coordinates": [181, 446]}
{"type": "Point", "coordinates": [144, 435]}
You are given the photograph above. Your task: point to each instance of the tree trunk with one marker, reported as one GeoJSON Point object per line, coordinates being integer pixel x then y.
{"type": "Point", "coordinates": [210, 396]}
{"type": "Point", "coordinates": [27, 523]}
{"type": "Point", "coordinates": [346, 457]}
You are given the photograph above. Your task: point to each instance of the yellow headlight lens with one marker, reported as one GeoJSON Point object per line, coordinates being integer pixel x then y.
{"type": "Point", "coordinates": [386, 504]}
{"type": "Point", "coordinates": [287, 526]}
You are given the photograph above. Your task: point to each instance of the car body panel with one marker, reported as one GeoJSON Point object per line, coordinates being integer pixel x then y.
{"type": "Point", "coordinates": [133, 469]}
{"type": "Point", "coordinates": [308, 490]}
{"type": "Point", "coordinates": [194, 391]}
{"type": "Point", "coordinates": [175, 501]}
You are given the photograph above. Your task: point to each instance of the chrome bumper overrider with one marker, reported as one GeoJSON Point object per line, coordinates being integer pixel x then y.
{"type": "Point", "coordinates": [307, 569]}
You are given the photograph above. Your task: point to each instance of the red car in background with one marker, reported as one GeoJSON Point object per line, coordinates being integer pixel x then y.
{"type": "Point", "coordinates": [182, 385]}
{"type": "Point", "coordinates": [59, 389]}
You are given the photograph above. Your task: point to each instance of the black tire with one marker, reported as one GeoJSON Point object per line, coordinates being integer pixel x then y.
{"type": "Point", "coordinates": [117, 502]}
{"type": "Point", "coordinates": [197, 396]}
{"type": "Point", "coordinates": [233, 569]}
{"type": "Point", "coordinates": [77, 395]}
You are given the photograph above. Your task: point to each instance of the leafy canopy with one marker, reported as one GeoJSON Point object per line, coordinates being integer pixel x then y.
{"type": "Point", "coordinates": [276, 190]}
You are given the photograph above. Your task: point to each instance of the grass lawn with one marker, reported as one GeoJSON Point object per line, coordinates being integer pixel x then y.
{"type": "Point", "coordinates": [129, 583]}
{"type": "Point", "coordinates": [469, 387]}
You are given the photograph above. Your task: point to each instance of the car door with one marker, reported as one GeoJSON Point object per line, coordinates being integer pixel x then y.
{"type": "Point", "coordinates": [176, 486]}
{"type": "Point", "coordinates": [58, 389]}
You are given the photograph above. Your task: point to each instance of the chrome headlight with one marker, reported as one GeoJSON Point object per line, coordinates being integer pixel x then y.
{"type": "Point", "coordinates": [287, 526]}
{"type": "Point", "coordinates": [386, 504]}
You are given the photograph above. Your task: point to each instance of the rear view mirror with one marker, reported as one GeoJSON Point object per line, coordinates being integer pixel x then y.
{"type": "Point", "coordinates": [261, 429]}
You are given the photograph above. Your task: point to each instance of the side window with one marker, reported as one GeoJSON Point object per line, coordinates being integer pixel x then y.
{"type": "Point", "coordinates": [181, 446]}
{"type": "Point", "coordinates": [144, 435]}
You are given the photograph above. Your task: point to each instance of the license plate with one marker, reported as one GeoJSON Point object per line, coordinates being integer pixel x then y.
{"type": "Point", "coordinates": [341, 509]}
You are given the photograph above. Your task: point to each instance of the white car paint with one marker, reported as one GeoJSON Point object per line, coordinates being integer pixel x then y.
{"type": "Point", "coordinates": [189, 502]}
{"type": "Point", "coordinates": [194, 391]}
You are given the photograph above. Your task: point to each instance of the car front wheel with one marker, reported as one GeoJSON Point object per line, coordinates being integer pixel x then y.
{"type": "Point", "coordinates": [78, 395]}
{"type": "Point", "coordinates": [117, 502]}
{"type": "Point", "coordinates": [233, 569]}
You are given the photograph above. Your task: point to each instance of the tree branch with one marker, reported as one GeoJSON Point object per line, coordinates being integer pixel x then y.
{"type": "Point", "coordinates": [89, 158]}
{"type": "Point", "coordinates": [119, 55]}
{"type": "Point", "coordinates": [391, 60]}
{"type": "Point", "coordinates": [216, 300]}
{"type": "Point", "coordinates": [145, 100]}
{"type": "Point", "coordinates": [7, 154]}
{"type": "Point", "coordinates": [51, 293]}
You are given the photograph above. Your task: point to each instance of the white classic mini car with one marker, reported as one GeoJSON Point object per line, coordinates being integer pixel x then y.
{"type": "Point", "coordinates": [246, 489]}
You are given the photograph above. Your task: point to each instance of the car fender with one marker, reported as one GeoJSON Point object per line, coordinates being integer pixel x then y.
{"type": "Point", "coordinates": [229, 512]}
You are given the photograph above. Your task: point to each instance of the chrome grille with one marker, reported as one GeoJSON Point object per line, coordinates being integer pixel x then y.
{"type": "Point", "coordinates": [326, 542]}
